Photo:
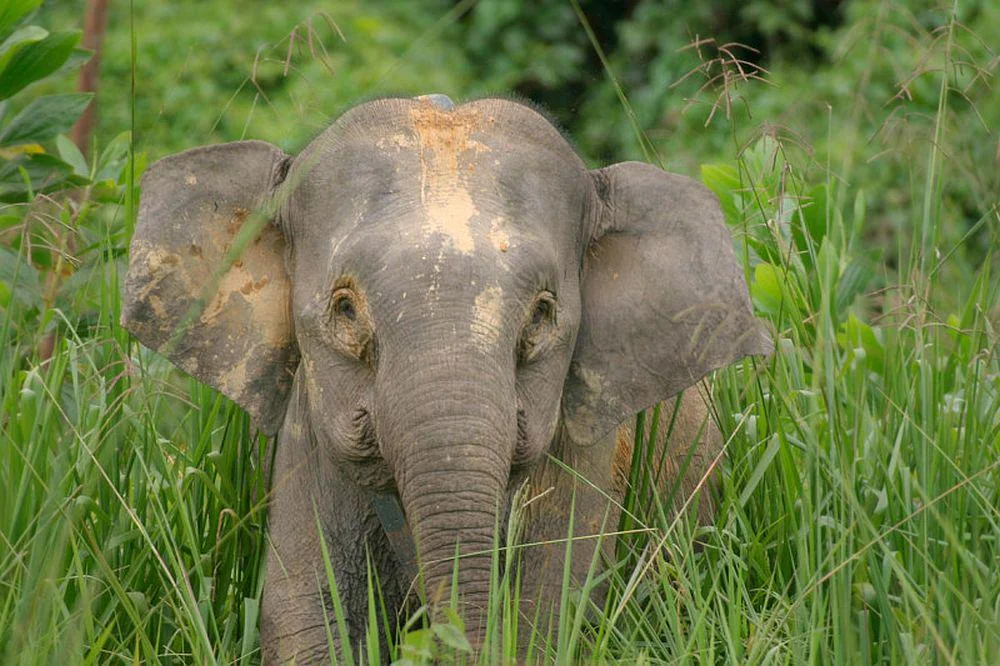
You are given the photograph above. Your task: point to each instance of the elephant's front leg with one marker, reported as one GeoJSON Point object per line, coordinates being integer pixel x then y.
{"type": "Point", "coordinates": [312, 499]}
{"type": "Point", "coordinates": [686, 451]}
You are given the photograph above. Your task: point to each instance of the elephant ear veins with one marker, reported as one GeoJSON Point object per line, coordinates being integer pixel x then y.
{"type": "Point", "coordinates": [447, 155]}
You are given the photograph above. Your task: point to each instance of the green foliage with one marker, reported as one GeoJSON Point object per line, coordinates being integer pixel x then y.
{"type": "Point", "coordinates": [28, 53]}
{"type": "Point", "coordinates": [33, 55]}
{"type": "Point", "coordinates": [858, 515]}
{"type": "Point", "coordinates": [53, 248]}
{"type": "Point", "coordinates": [278, 72]}
{"type": "Point", "coordinates": [41, 284]}
{"type": "Point", "coordinates": [124, 538]}
{"type": "Point", "coordinates": [44, 118]}
{"type": "Point", "coordinates": [11, 13]}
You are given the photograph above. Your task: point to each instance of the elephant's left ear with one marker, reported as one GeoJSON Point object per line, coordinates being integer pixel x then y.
{"type": "Point", "coordinates": [664, 301]}
{"type": "Point", "coordinates": [206, 284]}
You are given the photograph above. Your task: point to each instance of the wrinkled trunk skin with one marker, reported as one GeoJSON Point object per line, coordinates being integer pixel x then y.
{"type": "Point", "coordinates": [448, 436]}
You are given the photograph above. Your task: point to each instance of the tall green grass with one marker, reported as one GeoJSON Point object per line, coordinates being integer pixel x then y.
{"type": "Point", "coordinates": [858, 518]}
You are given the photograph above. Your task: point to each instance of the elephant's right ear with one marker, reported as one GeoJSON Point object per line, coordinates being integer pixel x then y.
{"type": "Point", "coordinates": [207, 285]}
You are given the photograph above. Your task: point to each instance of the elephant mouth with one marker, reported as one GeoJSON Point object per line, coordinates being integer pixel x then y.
{"type": "Point", "coordinates": [521, 450]}
{"type": "Point", "coordinates": [363, 456]}
{"type": "Point", "coordinates": [397, 531]}
{"type": "Point", "coordinates": [527, 450]}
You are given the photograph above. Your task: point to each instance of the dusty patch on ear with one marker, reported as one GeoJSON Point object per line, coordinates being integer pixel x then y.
{"type": "Point", "coordinates": [254, 289]}
{"type": "Point", "coordinates": [160, 264]}
{"type": "Point", "coordinates": [230, 328]}
{"type": "Point", "coordinates": [257, 278]}
{"type": "Point", "coordinates": [445, 142]}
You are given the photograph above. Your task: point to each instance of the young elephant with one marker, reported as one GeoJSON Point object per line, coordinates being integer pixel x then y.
{"type": "Point", "coordinates": [426, 302]}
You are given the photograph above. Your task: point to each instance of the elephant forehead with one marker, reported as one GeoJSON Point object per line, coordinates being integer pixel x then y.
{"type": "Point", "coordinates": [449, 148]}
{"type": "Point", "coordinates": [447, 157]}
{"type": "Point", "coordinates": [454, 180]}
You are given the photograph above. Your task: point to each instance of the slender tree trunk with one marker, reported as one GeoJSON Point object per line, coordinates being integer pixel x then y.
{"type": "Point", "coordinates": [95, 21]}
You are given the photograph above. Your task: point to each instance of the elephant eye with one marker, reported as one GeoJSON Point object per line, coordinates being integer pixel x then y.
{"type": "Point", "coordinates": [349, 322]}
{"type": "Point", "coordinates": [343, 305]}
{"type": "Point", "coordinates": [544, 310]}
{"type": "Point", "coordinates": [534, 337]}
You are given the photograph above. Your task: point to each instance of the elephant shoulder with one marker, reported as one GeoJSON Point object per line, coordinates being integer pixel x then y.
{"type": "Point", "coordinates": [686, 451]}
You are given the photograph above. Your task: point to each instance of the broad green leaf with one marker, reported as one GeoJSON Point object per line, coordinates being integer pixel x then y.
{"type": "Point", "coordinates": [959, 335]}
{"type": "Point", "coordinates": [20, 279]}
{"type": "Point", "coordinates": [27, 33]}
{"type": "Point", "coordinates": [855, 279]}
{"type": "Point", "coordinates": [724, 181]}
{"type": "Point", "coordinates": [418, 645]}
{"type": "Point", "coordinates": [44, 118]}
{"type": "Point", "coordinates": [44, 172]}
{"type": "Point", "coordinates": [766, 289]}
{"type": "Point", "coordinates": [452, 633]}
{"type": "Point", "coordinates": [113, 157]}
{"type": "Point", "coordinates": [72, 156]}
{"type": "Point", "coordinates": [36, 61]}
{"type": "Point", "coordinates": [814, 213]}
{"type": "Point", "coordinates": [862, 340]}
{"type": "Point", "coordinates": [77, 57]}
{"type": "Point", "coordinates": [9, 220]}
{"type": "Point", "coordinates": [12, 11]}
{"type": "Point", "coordinates": [21, 38]}
{"type": "Point", "coordinates": [773, 446]}
{"type": "Point", "coordinates": [251, 611]}
{"type": "Point", "coordinates": [14, 152]}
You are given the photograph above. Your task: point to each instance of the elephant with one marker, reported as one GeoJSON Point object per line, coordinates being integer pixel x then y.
{"type": "Point", "coordinates": [430, 306]}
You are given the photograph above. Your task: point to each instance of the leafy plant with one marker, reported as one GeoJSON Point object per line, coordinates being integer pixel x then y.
{"type": "Point", "coordinates": [29, 53]}
{"type": "Point", "coordinates": [51, 246]}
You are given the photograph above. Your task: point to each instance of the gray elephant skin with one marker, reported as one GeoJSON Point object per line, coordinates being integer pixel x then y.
{"type": "Point", "coordinates": [442, 303]}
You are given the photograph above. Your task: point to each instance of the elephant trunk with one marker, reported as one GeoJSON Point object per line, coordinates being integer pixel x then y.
{"type": "Point", "coordinates": [449, 438]}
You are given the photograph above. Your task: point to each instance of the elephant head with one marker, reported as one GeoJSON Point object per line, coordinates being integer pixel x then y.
{"type": "Point", "coordinates": [447, 289]}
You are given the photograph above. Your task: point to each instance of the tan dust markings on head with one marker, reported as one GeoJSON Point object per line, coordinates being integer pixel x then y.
{"type": "Point", "coordinates": [498, 235]}
{"type": "Point", "coordinates": [397, 141]}
{"type": "Point", "coordinates": [487, 316]}
{"type": "Point", "coordinates": [447, 152]}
